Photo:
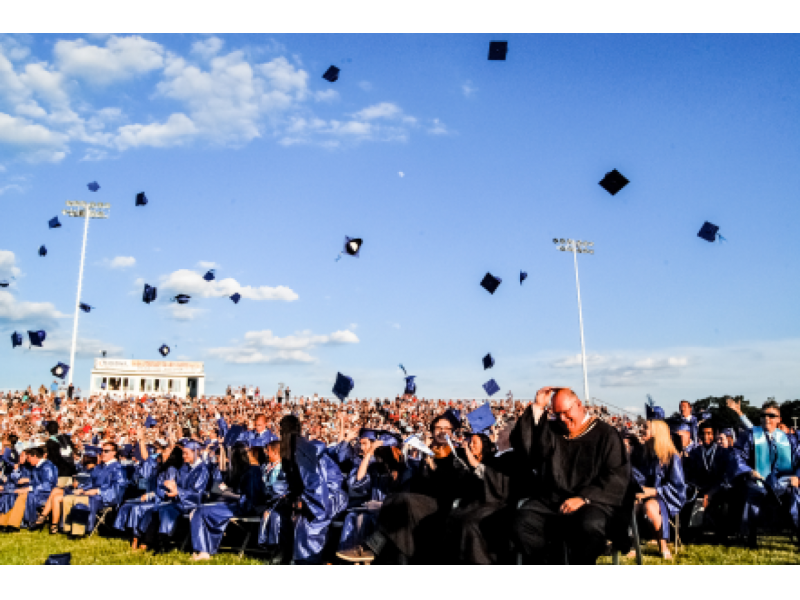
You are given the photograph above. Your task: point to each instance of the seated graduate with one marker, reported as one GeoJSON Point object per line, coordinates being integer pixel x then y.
{"type": "Point", "coordinates": [260, 436]}
{"type": "Point", "coordinates": [765, 467]}
{"type": "Point", "coordinates": [382, 472]}
{"type": "Point", "coordinates": [245, 481]}
{"type": "Point", "coordinates": [658, 469]}
{"type": "Point", "coordinates": [684, 436]}
{"type": "Point", "coordinates": [77, 507]}
{"type": "Point", "coordinates": [18, 476]}
{"type": "Point", "coordinates": [584, 474]}
{"type": "Point", "coordinates": [706, 471]}
{"type": "Point", "coordinates": [410, 523]}
{"type": "Point", "coordinates": [130, 514]}
{"type": "Point", "coordinates": [689, 420]}
{"type": "Point", "coordinates": [351, 448]}
{"type": "Point", "coordinates": [30, 498]}
{"type": "Point", "coordinates": [66, 471]}
{"type": "Point", "coordinates": [184, 495]}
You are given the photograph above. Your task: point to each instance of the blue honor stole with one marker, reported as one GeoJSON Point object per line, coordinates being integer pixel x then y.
{"type": "Point", "coordinates": [781, 464]}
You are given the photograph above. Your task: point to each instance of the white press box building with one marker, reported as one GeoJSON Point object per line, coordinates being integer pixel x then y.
{"type": "Point", "coordinates": [137, 377]}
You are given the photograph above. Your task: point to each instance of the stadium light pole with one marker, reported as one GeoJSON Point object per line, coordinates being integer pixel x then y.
{"type": "Point", "coordinates": [85, 211]}
{"type": "Point", "coordinates": [578, 247]}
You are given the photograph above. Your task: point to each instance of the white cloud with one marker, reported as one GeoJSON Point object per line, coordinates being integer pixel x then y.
{"type": "Point", "coordinates": [326, 96]}
{"type": "Point", "coordinates": [183, 312]}
{"type": "Point", "coordinates": [365, 85]}
{"type": "Point", "coordinates": [121, 58]}
{"type": "Point", "coordinates": [438, 128]}
{"type": "Point", "coordinates": [626, 370]}
{"type": "Point", "coordinates": [177, 129]}
{"type": "Point", "coordinates": [39, 142]}
{"type": "Point", "coordinates": [120, 262]}
{"type": "Point", "coordinates": [32, 313]}
{"type": "Point", "coordinates": [401, 174]}
{"type": "Point", "coordinates": [468, 89]}
{"type": "Point", "coordinates": [8, 264]}
{"type": "Point", "coordinates": [383, 110]}
{"type": "Point", "coordinates": [189, 282]}
{"type": "Point", "coordinates": [207, 265]}
{"type": "Point", "coordinates": [61, 343]}
{"type": "Point", "coordinates": [10, 187]}
{"type": "Point", "coordinates": [266, 347]}
{"type": "Point", "coordinates": [208, 48]}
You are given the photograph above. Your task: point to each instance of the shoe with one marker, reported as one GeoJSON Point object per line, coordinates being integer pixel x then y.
{"type": "Point", "coordinates": [39, 523]}
{"type": "Point", "coordinates": [359, 554]}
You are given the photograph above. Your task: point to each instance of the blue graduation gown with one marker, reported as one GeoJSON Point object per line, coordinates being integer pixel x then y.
{"type": "Point", "coordinates": [210, 520]}
{"type": "Point", "coordinates": [191, 483]}
{"type": "Point", "coordinates": [130, 514]}
{"type": "Point", "coordinates": [44, 477]}
{"type": "Point", "coordinates": [9, 496]}
{"type": "Point", "coordinates": [110, 480]}
{"type": "Point", "coordinates": [668, 482]}
{"type": "Point", "coordinates": [257, 439]}
{"type": "Point", "coordinates": [707, 473]}
{"type": "Point", "coordinates": [746, 458]}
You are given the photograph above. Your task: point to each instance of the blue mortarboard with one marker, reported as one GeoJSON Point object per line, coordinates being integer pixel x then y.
{"type": "Point", "coordinates": [164, 350]}
{"type": "Point", "coordinates": [191, 445]}
{"type": "Point", "coordinates": [16, 339]}
{"type": "Point", "coordinates": [681, 427]}
{"type": "Point", "coordinates": [91, 451]}
{"type": "Point", "coordinates": [491, 387]}
{"type": "Point", "coordinates": [233, 433]}
{"type": "Point", "coordinates": [481, 418]}
{"type": "Point", "coordinates": [708, 232]}
{"type": "Point", "coordinates": [141, 199]}
{"type": "Point", "coordinates": [126, 450]}
{"type": "Point", "coordinates": [209, 276]}
{"type": "Point", "coordinates": [53, 223]}
{"type": "Point", "coordinates": [236, 297]}
{"type": "Point", "coordinates": [42, 251]}
{"type": "Point", "coordinates": [411, 387]}
{"type": "Point", "coordinates": [704, 416]}
{"type": "Point", "coordinates": [522, 276]}
{"type": "Point", "coordinates": [352, 246]}
{"type": "Point", "coordinates": [498, 50]}
{"type": "Point", "coordinates": [93, 187]}
{"type": "Point", "coordinates": [488, 362]}
{"type": "Point", "coordinates": [181, 299]}
{"type": "Point", "coordinates": [652, 411]}
{"type": "Point", "coordinates": [388, 438]}
{"type": "Point", "coordinates": [150, 422]}
{"type": "Point", "coordinates": [368, 434]}
{"type": "Point", "coordinates": [728, 432]}
{"type": "Point", "coordinates": [60, 370]}
{"type": "Point", "coordinates": [332, 74]}
{"type": "Point", "coordinates": [613, 182]}
{"type": "Point", "coordinates": [490, 283]}
{"type": "Point", "coordinates": [85, 307]}
{"type": "Point", "coordinates": [36, 338]}
{"type": "Point", "coordinates": [59, 559]}
{"type": "Point", "coordinates": [149, 294]}
{"type": "Point", "coordinates": [343, 386]}
{"type": "Point", "coordinates": [10, 456]}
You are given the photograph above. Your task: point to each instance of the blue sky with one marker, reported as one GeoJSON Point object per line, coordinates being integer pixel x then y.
{"type": "Point", "coordinates": [254, 163]}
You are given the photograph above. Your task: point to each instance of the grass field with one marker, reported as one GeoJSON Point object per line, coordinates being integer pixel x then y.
{"type": "Point", "coordinates": [32, 548]}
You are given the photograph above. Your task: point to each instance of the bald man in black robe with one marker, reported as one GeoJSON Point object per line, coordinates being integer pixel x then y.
{"type": "Point", "coordinates": [582, 474]}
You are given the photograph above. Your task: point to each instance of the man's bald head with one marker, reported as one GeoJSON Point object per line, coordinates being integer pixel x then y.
{"type": "Point", "coordinates": [568, 409]}
{"type": "Point", "coordinates": [563, 399]}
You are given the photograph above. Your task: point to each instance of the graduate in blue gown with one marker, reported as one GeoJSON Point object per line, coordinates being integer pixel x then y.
{"type": "Point", "coordinates": [657, 468]}
{"type": "Point", "coordinates": [18, 477]}
{"type": "Point", "coordinates": [260, 436]}
{"type": "Point", "coordinates": [42, 477]}
{"type": "Point", "coordinates": [765, 468]}
{"type": "Point", "coordinates": [184, 495]}
{"type": "Point", "coordinates": [130, 514]}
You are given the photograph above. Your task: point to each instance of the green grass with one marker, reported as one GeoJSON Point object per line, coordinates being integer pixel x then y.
{"type": "Point", "coordinates": [771, 551]}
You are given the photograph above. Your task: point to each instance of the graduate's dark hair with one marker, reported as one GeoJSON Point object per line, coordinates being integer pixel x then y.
{"type": "Point", "coordinates": [36, 452]}
{"type": "Point", "coordinates": [51, 428]}
{"type": "Point", "coordinates": [259, 453]}
{"type": "Point", "coordinates": [488, 449]}
{"type": "Point", "coordinates": [240, 462]}
{"type": "Point", "coordinates": [54, 456]}
{"type": "Point", "coordinates": [290, 428]}
{"type": "Point", "coordinates": [175, 460]}
{"type": "Point", "coordinates": [708, 425]}
{"type": "Point", "coordinates": [390, 457]}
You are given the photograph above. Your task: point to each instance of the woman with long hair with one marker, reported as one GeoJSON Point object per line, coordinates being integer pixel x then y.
{"type": "Point", "coordinates": [658, 469]}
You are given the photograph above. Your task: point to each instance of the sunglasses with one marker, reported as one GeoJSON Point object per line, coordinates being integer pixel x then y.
{"type": "Point", "coordinates": [765, 415]}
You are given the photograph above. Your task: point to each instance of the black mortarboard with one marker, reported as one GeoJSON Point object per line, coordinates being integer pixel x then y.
{"type": "Point", "coordinates": [93, 187]}
{"type": "Point", "coordinates": [498, 50]}
{"type": "Point", "coordinates": [126, 451]}
{"type": "Point", "coordinates": [613, 182]}
{"type": "Point", "coordinates": [209, 276]}
{"type": "Point", "coordinates": [59, 559]}
{"type": "Point", "coordinates": [491, 387]}
{"type": "Point", "coordinates": [42, 251]}
{"type": "Point", "coordinates": [53, 223]}
{"type": "Point", "coordinates": [352, 246]}
{"type": "Point", "coordinates": [411, 386]}
{"type": "Point", "coordinates": [488, 362]}
{"type": "Point", "coordinates": [16, 339]}
{"type": "Point", "coordinates": [708, 232]}
{"type": "Point", "coordinates": [481, 418]}
{"type": "Point", "coordinates": [332, 74]}
{"type": "Point", "coordinates": [236, 297]}
{"type": "Point", "coordinates": [141, 199]}
{"type": "Point", "coordinates": [652, 411]}
{"type": "Point", "coordinates": [149, 294]}
{"type": "Point", "coordinates": [490, 283]}
{"type": "Point", "coordinates": [181, 299]}
{"type": "Point", "coordinates": [85, 307]}
{"type": "Point", "coordinates": [36, 338]}
{"type": "Point", "coordinates": [522, 276]}
{"type": "Point", "coordinates": [343, 386]}
{"type": "Point", "coordinates": [164, 350]}
{"type": "Point", "coordinates": [5, 283]}
{"type": "Point", "coordinates": [60, 370]}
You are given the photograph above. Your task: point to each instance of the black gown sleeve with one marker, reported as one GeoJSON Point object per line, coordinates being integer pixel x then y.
{"type": "Point", "coordinates": [611, 482]}
{"type": "Point", "coordinates": [532, 441]}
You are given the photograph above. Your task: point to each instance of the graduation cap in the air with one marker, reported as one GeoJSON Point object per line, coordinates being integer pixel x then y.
{"type": "Point", "coordinates": [236, 297]}
{"type": "Point", "coordinates": [85, 307]}
{"type": "Point", "coordinates": [352, 246]}
{"type": "Point", "coordinates": [42, 251]}
{"type": "Point", "coordinates": [653, 412]}
{"type": "Point", "coordinates": [16, 339]}
{"type": "Point", "coordinates": [411, 387]}
{"type": "Point", "coordinates": [415, 442]}
{"type": "Point", "coordinates": [490, 283]}
{"type": "Point", "coordinates": [332, 74]}
{"type": "Point", "coordinates": [53, 223]}
{"type": "Point", "coordinates": [481, 418]}
{"type": "Point", "coordinates": [150, 422]}
{"type": "Point", "coordinates": [498, 50]}
{"type": "Point", "coordinates": [403, 369]}
{"type": "Point", "coordinates": [36, 338]}
{"type": "Point", "coordinates": [343, 386]}
{"type": "Point", "coordinates": [149, 294]}
{"type": "Point", "coordinates": [209, 276]}
{"type": "Point", "coordinates": [488, 362]}
{"type": "Point", "coordinates": [141, 199]}
{"type": "Point", "coordinates": [60, 370]}
{"type": "Point", "coordinates": [181, 299]}
{"type": "Point", "coordinates": [93, 187]}
{"type": "Point", "coordinates": [522, 276]}
{"type": "Point", "coordinates": [709, 232]}
{"type": "Point", "coordinates": [613, 182]}
{"type": "Point", "coordinates": [59, 559]}
{"type": "Point", "coordinates": [5, 283]}
{"type": "Point", "coordinates": [491, 387]}
{"type": "Point", "coordinates": [164, 350]}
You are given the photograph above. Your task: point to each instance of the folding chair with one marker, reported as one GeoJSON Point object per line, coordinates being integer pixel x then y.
{"type": "Point", "coordinates": [241, 523]}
